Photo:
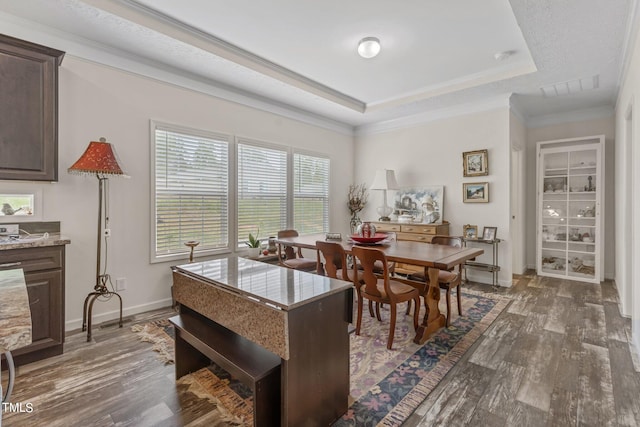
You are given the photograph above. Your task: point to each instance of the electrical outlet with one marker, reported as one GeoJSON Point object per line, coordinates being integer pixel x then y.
{"type": "Point", "coordinates": [121, 284]}
{"type": "Point", "coordinates": [107, 232]}
{"type": "Point", "coordinates": [9, 230]}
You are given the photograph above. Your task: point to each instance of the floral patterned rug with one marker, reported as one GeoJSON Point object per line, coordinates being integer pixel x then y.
{"type": "Point", "coordinates": [387, 386]}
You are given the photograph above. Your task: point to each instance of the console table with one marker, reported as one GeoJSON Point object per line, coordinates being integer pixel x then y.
{"type": "Point", "coordinates": [492, 267]}
{"type": "Point", "coordinates": [301, 318]}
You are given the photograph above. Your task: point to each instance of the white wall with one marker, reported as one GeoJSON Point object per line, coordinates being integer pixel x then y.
{"type": "Point", "coordinates": [431, 154]}
{"type": "Point", "coordinates": [603, 126]}
{"type": "Point", "coordinates": [627, 156]}
{"type": "Point", "coordinates": [97, 101]}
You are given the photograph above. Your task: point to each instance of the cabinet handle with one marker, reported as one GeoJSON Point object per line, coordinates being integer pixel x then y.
{"type": "Point", "coordinates": [10, 264]}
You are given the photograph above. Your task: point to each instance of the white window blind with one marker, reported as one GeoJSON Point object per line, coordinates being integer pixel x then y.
{"type": "Point", "coordinates": [262, 191]}
{"type": "Point", "coordinates": [310, 194]}
{"type": "Point", "coordinates": [191, 191]}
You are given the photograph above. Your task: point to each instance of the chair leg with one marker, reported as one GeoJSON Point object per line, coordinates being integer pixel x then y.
{"type": "Point", "coordinates": [459, 295]}
{"type": "Point", "coordinates": [416, 313]}
{"type": "Point", "coordinates": [408, 308]}
{"type": "Point", "coordinates": [448, 306]}
{"type": "Point", "coordinates": [392, 325]}
{"type": "Point", "coordinates": [378, 312]}
{"type": "Point", "coordinates": [359, 320]}
{"type": "Point", "coordinates": [371, 308]}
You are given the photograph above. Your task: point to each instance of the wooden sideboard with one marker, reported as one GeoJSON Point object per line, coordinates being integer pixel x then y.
{"type": "Point", "coordinates": [412, 231]}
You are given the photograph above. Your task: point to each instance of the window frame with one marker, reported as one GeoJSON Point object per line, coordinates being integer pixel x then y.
{"type": "Point", "coordinates": [170, 127]}
{"type": "Point", "coordinates": [233, 142]}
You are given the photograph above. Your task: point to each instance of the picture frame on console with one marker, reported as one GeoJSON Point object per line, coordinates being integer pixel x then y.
{"type": "Point", "coordinates": [470, 231]}
{"type": "Point", "coordinates": [475, 163]}
{"type": "Point", "coordinates": [489, 233]}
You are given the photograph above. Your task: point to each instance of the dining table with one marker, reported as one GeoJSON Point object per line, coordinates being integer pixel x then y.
{"type": "Point", "coordinates": [430, 256]}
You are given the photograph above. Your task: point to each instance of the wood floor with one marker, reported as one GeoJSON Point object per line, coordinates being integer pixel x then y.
{"type": "Point", "coordinates": [557, 356]}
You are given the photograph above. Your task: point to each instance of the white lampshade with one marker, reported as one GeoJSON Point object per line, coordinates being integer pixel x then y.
{"type": "Point", "coordinates": [369, 47]}
{"type": "Point", "coordinates": [385, 179]}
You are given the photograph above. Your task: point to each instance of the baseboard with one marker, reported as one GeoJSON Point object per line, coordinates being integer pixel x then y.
{"type": "Point", "coordinates": [74, 324]}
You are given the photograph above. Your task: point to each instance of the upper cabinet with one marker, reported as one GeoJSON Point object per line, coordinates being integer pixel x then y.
{"type": "Point", "coordinates": [28, 110]}
{"type": "Point", "coordinates": [570, 217]}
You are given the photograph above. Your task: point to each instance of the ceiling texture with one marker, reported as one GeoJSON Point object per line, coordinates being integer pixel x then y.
{"type": "Point", "coordinates": [558, 56]}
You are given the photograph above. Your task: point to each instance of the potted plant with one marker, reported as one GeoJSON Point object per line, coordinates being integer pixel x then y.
{"type": "Point", "coordinates": [254, 244]}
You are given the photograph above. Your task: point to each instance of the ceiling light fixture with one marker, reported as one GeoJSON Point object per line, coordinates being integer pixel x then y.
{"type": "Point", "coordinates": [369, 47]}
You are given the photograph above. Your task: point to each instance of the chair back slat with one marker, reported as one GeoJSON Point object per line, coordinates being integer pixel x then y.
{"type": "Point", "coordinates": [335, 259]}
{"type": "Point", "coordinates": [367, 258]}
{"type": "Point", "coordinates": [455, 241]}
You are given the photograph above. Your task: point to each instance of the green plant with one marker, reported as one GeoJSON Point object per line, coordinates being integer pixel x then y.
{"type": "Point", "coordinates": [253, 241]}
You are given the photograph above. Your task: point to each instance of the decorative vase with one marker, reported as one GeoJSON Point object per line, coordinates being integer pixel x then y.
{"type": "Point", "coordinates": [366, 229]}
{"type": "Point", "coordinates": [355, 222]}
{"type": "Point", "coordinates": [271, 247]}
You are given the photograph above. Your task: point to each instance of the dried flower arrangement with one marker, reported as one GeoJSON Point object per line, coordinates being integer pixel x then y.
{"type": "Point", "coordinates": [358, 196]}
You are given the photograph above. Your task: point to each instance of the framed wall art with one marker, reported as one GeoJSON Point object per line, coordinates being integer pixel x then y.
{"type": "Point", "coordinates": [424, 204]}
{"type": "Point", "coordinates": [475, 163]}
{"type": "Point", "coordinates": [475, 192]}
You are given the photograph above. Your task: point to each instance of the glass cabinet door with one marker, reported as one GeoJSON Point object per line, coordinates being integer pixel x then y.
{"type": "Point", "coordinates": [568, 203]}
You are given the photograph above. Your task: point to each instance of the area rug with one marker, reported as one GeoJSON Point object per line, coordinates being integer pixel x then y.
{"type": "Point", "coordinates": [386, 385]}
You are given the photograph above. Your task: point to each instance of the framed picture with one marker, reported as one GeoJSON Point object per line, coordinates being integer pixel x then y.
{"type": "Point", "coordinates": [475, 163]}
{"type": "Point", "coordinates": [424, 204]}
{"type": "Point", "coordinates": [489, 233]}
{"type": "Point", "coordinates": [475, 192]}
{"type": "Point", "coordinates": [470, 231]}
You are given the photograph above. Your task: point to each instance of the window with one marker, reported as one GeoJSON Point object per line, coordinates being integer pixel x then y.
{"type": "Point", "coordinates": [310, 194]}
{"type": "Point", "coordinates": [194, 175]}
{"type": "Point", "coordinates": [191, 179]}
{"type": "Point", "coordinates": [262, 190]}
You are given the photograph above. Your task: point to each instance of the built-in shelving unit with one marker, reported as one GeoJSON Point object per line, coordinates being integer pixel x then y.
{"type": "Point", "coordinates": [570, 191]}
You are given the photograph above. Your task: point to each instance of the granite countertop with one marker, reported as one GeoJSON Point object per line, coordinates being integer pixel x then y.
{"type": "Point", "coordinates": [280, 287]}
{"type": "Point", "coordinates": [34, 241]}
{"type": "Point", "coordinates": [15, 314]}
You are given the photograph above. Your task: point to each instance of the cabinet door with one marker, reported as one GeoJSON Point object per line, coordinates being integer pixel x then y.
{"type": "Point", "coordinates": [28, 110]}
{"type": "Point", "coordinates": [46, 301]}
{"type": "Point", "coordinates": [569, 218]}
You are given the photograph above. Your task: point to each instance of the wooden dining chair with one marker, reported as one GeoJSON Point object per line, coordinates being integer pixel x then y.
{"type": "Point", "coordinates": [335, 261]}
{"type": "Point", "coordinates": [289, 257]}
{"type": "Point", "coordinates": [381, 289]}
{"type": "Point", "coordinates": [447, 280]}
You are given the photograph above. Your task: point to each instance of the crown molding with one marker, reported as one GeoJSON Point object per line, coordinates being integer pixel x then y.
{"type": "Point", "coordinates": [149, 18]}
{"type": "Point", "coordinates": [91, 51]}
{"type": "Point", "coordinates": [488, 104]}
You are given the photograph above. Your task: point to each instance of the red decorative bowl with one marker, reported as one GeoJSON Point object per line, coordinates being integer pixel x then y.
{"type": "Point", "coordinates": [376, 238]}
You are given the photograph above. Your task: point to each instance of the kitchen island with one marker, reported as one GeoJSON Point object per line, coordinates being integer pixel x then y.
{"type": "Point", "coordinates": [300, 317]}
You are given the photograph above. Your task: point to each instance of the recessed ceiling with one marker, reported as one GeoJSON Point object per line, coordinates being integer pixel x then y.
{"type": "Point", "coordinates": [436, 54]}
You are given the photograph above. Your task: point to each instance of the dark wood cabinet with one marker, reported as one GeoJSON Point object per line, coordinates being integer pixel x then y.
{"type": "Point", "coordinates": [44, 275]}
{"type": "Point", "coordinates": [28, 110]}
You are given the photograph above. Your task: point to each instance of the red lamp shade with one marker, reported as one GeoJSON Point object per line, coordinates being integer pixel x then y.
{"type": "Point", "coordinates": [99, 158]}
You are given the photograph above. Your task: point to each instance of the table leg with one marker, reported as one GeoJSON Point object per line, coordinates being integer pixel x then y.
{"type": "Point", "coordinates": [433, 319]}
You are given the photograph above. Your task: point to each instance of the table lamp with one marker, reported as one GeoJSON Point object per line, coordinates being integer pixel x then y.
{"type": "Point", "coordinates": [384, 180]}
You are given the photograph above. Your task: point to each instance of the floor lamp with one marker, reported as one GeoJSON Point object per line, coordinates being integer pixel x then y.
{"type": "Point", "coordinates": [384, 180]}
{"type": "Point", "coordinates": [99, 159]}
